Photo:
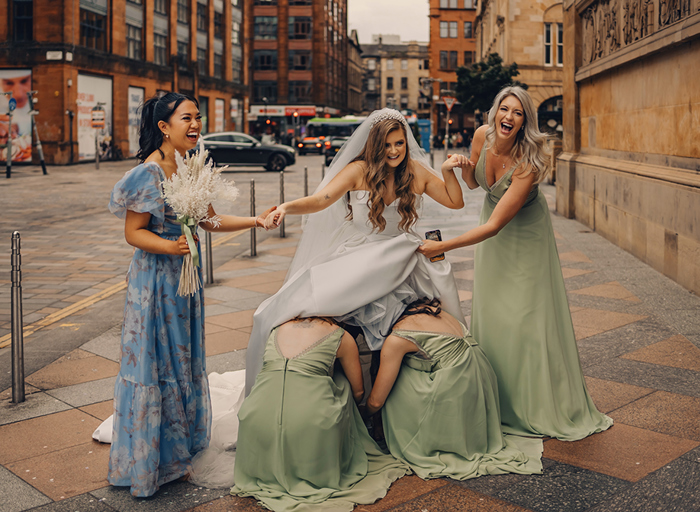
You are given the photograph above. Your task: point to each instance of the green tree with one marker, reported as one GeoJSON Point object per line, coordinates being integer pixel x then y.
{"type": "Point", "coordinates": [477, 85]}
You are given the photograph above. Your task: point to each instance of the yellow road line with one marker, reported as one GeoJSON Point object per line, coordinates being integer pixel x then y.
{"type": "Point", "coordinates": [89, 301]}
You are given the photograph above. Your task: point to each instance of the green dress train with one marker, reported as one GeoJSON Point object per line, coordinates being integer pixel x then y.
{"type": "Point", "coordinates": [521, 318]}
{"type": "Point", "coordinates": [302, 444]}
{"type": "Point", "coordinates": [442, 416]}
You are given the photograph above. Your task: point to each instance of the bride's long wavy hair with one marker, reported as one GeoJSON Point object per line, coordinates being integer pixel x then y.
{"type": "Point", "coordinates": [530, 151]}
{"type": "Point", "coordinates": [374, 157]}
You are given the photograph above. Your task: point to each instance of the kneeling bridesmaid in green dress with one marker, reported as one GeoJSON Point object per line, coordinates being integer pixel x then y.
{"type": "Point", "coordinates": [440, 401]}
{"type": "Point", "coordinates": [302, 444]}
{"type": "Point", "coordinates": [520, 313]}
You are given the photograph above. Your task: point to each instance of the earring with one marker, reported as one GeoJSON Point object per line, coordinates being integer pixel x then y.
{"type": "Point", "coordinates": [168, 136]}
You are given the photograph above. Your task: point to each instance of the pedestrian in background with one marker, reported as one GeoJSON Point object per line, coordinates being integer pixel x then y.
{"type": "Point", "coordinates": [162, 412]}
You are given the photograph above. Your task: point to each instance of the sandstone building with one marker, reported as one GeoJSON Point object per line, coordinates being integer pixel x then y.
{"type": "Point", "coordinates": [631, 163]}
{"type": "Point", "coordinates": [79, 53]}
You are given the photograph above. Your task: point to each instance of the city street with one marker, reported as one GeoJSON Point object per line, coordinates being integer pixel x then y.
{"type": "Point", "coordinates": [638, 334]}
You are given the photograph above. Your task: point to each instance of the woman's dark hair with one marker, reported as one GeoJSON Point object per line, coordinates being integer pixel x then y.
{"type": "Point", "coordinates": [157, 109]}
{"type": "Point", "coordinates": [423, 306]}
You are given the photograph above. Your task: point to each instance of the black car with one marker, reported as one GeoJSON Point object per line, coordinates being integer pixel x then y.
{"type": "Point", "coordinates": [311, 145]}
{"type": "Point", "coordinates": [236, 148]}
{"type": "Point", "coordinates": [331, 147]}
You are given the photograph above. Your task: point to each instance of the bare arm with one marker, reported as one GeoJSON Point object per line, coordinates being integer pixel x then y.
{"type": "Point", "coordinates": [348, 179]}
{"type": "Point", "coordinates": [393, 351]}
{"type": "Point", "coordinates": [508, 206]}
{"type": "Point", "coordinates": [349, 357]}
{"type": "Point", "coordinates": [137, 234]}
{"type": "Point", "coordinates": [448, 193]}
{"type": "Point", "coordinates": [477, 146]}
{"type": "Point", "coordinates": [233, 223]}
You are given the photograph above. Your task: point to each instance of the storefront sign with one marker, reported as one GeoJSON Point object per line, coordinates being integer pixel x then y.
{"type": "Point", "coordinates": [91, 90]}
{"type": "Point", "coordinates": [282, 110]}
{"type": "Point", "coordinates": [19, 83]}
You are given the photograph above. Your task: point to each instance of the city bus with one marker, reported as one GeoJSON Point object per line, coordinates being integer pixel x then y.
{"type": "Point", "coordinates": [320, 129]}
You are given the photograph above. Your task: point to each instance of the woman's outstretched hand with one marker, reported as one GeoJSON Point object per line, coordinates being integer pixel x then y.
{"type": "Point", "coordinates": [430, 248]}
{"type": "Point", "coordinates": [460, 161]}
{"type": "Point", "coordinates": [260, 219]}
{"type": "Point", "coordinates": [180, 247]}
{"type": "Point", "coordinates": [275, 218]}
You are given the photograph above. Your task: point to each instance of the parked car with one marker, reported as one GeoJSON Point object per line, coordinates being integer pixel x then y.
{"type": "Point", "coordinates": [331, 147]}
{"type": "Point", "coordinates": [236, 148]}
{"type": "Point", "coordinates": [311, 145]}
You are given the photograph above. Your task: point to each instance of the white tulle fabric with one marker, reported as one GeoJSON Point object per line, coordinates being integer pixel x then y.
{"type": "Point", "coordinates": [344, 269]}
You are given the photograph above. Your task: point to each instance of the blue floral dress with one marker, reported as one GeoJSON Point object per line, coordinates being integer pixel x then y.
{"type": "Point", "coordinates": [162, 411]}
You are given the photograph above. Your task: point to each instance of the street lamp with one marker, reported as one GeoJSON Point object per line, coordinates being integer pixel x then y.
{"type": "Point", "coordinates": [296, 123]}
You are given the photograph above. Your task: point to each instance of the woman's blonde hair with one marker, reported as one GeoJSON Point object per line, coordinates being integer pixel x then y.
{"type": "Point", "coordinates": [530, 151]}
{"type": "Point", "coordinates": [374, 157]}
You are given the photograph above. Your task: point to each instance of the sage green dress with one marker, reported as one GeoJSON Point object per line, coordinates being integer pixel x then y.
{"type": "Point", "coordinates": [302, 444]}
{"type": "Point", "coordinates": [442, 416]}
{"type": "Point", "coordinates": [520, 315]}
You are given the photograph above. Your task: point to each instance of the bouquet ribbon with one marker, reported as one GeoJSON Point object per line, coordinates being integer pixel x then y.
{"type": "Point", "coordinates": [188, 226]}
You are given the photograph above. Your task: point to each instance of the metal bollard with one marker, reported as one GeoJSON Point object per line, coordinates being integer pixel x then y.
{"type": "Point", "coordinates": [8, 153]}
{"type": "Point", "coordinates": [210, 257]}
{"type": "Point", "coordinates": [323, 172]}
{"type": "Point", "coordinates": [253, 242]}
{"type": "Point", "coordinates": [97, 151]}
{"type": "Point", "coordinates": [17, 328]}
{"type": "Point", "coordinates": [282, 233]}
{"type": "Point", "coordinates": [306, 181]}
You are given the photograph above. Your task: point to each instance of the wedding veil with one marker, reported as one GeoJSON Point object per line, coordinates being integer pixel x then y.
{"type": "Point", "coordinates": [321, 230]}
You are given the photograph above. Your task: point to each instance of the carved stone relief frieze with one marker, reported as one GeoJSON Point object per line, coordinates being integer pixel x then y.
{"type": "Point", "coordinates": [671, 11]}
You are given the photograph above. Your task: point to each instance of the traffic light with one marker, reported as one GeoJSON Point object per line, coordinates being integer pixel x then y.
{"type": "Point", "coordinates": [296, 114]}
{"type": "Point", "coordinates": [450, 121]}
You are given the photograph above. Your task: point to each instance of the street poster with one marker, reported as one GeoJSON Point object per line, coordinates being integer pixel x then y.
{"type": "Point", "coordinates": [19, 82]}
{"type": "Point", "coordinates": [136, 97]}
{"type": "Point", "coordinates": [91, 91]}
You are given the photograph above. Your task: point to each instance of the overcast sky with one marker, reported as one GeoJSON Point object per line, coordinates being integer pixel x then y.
{"type": "Point", "coordinates": [407, 18]}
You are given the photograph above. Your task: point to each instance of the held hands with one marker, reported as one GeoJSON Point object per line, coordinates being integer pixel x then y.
{"type": "Point", "coordinates": [430, 248]}
{"type": "Point", "coordinates": [275, 219]}
{"type": "Point", "coordinates": [260, 220]}
{"type": "Point", "coordinates": [460, 161]}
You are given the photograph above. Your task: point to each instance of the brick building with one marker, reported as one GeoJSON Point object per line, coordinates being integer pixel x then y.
{"type": "Point", "coordinates": [354, 74]}
{"type": "Point", "coordinates": [299, 62]}
{"type": "Point", "coordinates": [84, 52]}
{"type": "Point", "coordinates": [452, 45]}
{"type": "Point", "coordinates": [394, 70]}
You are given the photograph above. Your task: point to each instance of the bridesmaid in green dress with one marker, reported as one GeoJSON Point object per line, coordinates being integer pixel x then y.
{"type": "Point", "coordinates": [520, 313]}
{"type": "Point", "coordinates": [441, 412]}
{"type": "Point", "coordinates": [302, 444]}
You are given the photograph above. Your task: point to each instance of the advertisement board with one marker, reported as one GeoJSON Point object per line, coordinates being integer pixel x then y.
{"type": "Point", "coordinates": [136, 97]}
{"type": "Point", "coordinates": [19, 83]}
{"type": "Point", "coordinates": [93, 90]}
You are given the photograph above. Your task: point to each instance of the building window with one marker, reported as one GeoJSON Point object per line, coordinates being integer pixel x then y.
{"type": "Point", "coordinates": [448, 4]}
{"type": "Point", "coordinates": [299, 92]}
{"type": "Point", "coordinates": [299, 2]}
{"type": "Point", "coordinates": [389, 83]}
{"type": "Point", "coordinates": [453, 29]}
{"type": "Point", "coordinates": [404, 102]}
{"type": "Point", "coordinates": [218, 25]}
{"type": "Point", "coordinates": [444, 29]}
{"type": "Point", "coordinates": [236, 65]}
{"type": "Point", "coordinates": [299, 60]}
{"type": "Point", "coordinates": [183, 11]}
{"type": "Point", "coordinates": [202, 61]}
{"type": "Point", "coordinates": [265, 89]}
{"type": "Point", "coordinates": [453, 60]}
{"type": "Point", "coordinates": [390, 64]}
{"type": "Point", "coordinates": [264, 60]}
{"type": "Point", "coordinates": [560, 44]}
{"type": "Point", "coordinates": [92, 30]}
{"type": "Point", "coordinates": [183, 54]}
{"type": "Point", "coordinates": [404, 82]}
{"type": "Point", "coordinates": [22, 19]}
{"type": "Point", "coordinates": [160, 6]}
{"type": "Point", "coordinates": [468, 58]}
{"type": "Point", "coordinates": [160, 45]}
{"type": "Point", "coordinates": [371, 64]}
{"type": "Point", "coordinates": [371, 84]}
{"type": "Point", "coordinates": [235, 33]}
{"type": "Point", "coordinates": [202, 21]}
{"type": "Point", "coordinates": [548, 44]}
{"type": "Point", "coordinates": [448, 60]}
{"type": "Point", "coordinates": [300, 27]}
{"type": "Point", "coordinates": [469, 4]}
{"type": "Point", "coordinates": [426, 64]}
{"type": "Point", "coordinates": [404, 64]}
{"type": "Point", "coordinates": [218, 65]}
{"type": "Point", "coordinates": [468, 30]}
{"type": "Point", "coordinates": [265, 2]}
{"type": "Point", "coordinates": [265, 27]}
{"type": "Point", "coordinates": [133, 42]}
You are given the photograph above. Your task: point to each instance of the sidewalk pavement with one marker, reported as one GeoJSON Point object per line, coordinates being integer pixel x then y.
{"type": "Point", "coordinates": [638, 335]}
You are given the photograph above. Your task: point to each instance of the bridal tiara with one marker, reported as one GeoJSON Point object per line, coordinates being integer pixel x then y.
{"type": "Point", "coordinates": [388, 113]}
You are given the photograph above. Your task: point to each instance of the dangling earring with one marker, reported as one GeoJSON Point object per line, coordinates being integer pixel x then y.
{"type": "Point", "coordinates": [168, 136]}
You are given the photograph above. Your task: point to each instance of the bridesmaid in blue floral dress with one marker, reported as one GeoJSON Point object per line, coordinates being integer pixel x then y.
{"type": "Point", "coordinates": [162, 412]}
